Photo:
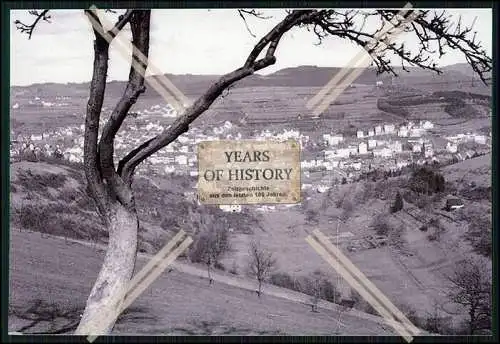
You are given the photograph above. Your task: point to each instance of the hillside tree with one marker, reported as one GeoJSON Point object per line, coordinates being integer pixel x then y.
{"type": "Point", "coordinates": [211, 244]}
{"type": "Point", "coordinates": [261, 263]}
{"type": "Point", "coordinates": [110, 185]}
{"type": "Point", "coordinates": [471, 289]}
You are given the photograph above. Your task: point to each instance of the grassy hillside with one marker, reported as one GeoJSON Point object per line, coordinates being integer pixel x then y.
{"type": "Point", "coordinates": [50, 281]}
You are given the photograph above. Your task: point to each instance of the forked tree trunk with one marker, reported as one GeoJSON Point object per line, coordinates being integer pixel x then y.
{"type": "Point", "coordinates": [115, 273]}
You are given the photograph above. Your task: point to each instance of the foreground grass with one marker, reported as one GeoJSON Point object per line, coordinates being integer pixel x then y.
{"type": "Point", "coordinates": [62, 275]}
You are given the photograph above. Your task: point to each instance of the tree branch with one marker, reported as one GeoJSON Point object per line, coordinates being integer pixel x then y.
{"type": "Point", "coordinates": [128, 164]}
{"type": "Point", "coordinates": [139, 23]}
{"type": "Point", "coordinates": [28, 28]}
{"type": "Point", "coordinates": [92, 165]}
{"type": "Point", "coordinates": [252, 12]}
{"type": "Point", "coordinates": [429, 30]}
{"type": "Point", "coordinates": [120, 24]}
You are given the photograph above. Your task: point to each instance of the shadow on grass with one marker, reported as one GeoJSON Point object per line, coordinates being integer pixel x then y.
{"type": "Point", "coordinates": [216, 328]}
{"type": "Point", "coordinates": [57, 319]}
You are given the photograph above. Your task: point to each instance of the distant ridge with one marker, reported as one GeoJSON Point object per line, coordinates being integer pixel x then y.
{"type": "Point", "coordinates": [301, 76]}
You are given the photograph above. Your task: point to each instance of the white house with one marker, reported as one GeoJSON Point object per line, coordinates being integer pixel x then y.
{"type": "Point", "coordinates": [356, 165]}
{"type": "Point", "coordinates": [480, 139]}
{"type": "Point", "coordinates": [181, 159]}
{"type": "Point", "coordinates": [382, 152]}
{"type": "Point", "coordinates": [416, 132]}
{"type": "Point", "coordinates": [396, 146]}
{"type": "Point", "coordinates": [389, 129]}
{"type": "Point", "coordinates": [426, 125]}
{"type": "Point", "coordinates": [322, 188]}
{"type": "Point", "coordinates": [232, 208]}
{"type": "Point", "coordinates": [332, 140]}
{"type": "Point", "coordinates": [343, 152]}
{"type": "Point", "coordinates": [429, 152]}
{"type": "Point", "coordinates": [353, 150]}
{"type": "Point", "coordinates": [306, 186]}
{"type": "Point", "coordinates": [451, 147]}
{"type": "Point", "coordinates": [379, 83]}
{"type": "Point", "coordinates": [403, 131]}
{"type": "Point", "coordinates": [371, 132]}
{"type": "Point", "coordinates": [416, 148]}
{"type": "Point", "coordinates": [362, 148]}
{"type": "Point", "coordinates": [360, 134]}
{"type": "Point", "coordinates": [378, 130]}
{"type": "Point", "coordinates": [372, 144]}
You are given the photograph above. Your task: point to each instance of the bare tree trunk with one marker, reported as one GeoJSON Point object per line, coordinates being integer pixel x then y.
{"type": "Point", "coordinates": [260, 288]}
{"type": "Point", "coordinates": [209, 275]}
{"type": "Point", "coordinates": [113, 197]}
{"type": "Point", "coordinates": [115, 273]}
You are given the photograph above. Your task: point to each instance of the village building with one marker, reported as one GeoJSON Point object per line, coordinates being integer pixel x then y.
{"type": "Point", "coordinates": [378, 130]}
{"type": "Point", "coordinates": [396, 146]}
{"type": "Point", "coordinates": [356, 165]}
{"type": "Point", "coordinates": [382, 152]}
{"type": "Point", "coordinates": [371, 132]}
{"type": "Point", "coordinates": [403, 131]}
{"type": "Point", "coordinates": [416, 132]}
{"type": "Point", "coordinates": [181, 160]}
{"type": "Point", "coordinates": [333, 140]}
{"type": "Point", "coordinates": [416, 148]}
{"type": "Point", "coordinates": [427, 125]}
{"type": "Point", "coordinates": [453, 203]}
{"type": "Point", "coordinates": [389, 129]}
{"type": "Point", "coordinates": [372, 144]}
{"type": "Point", "coordinates": [480, 139]}
{"type": "Point", "coordinates": [428, 152]}
{"type": "Point", "coordinates": [360, 134]}
{"type": "Point", "coordinates": [451, 147]}
{"type": "Point", "coordinates": [362, 148]}
{"type": "Point", "coordinates": [343, 153]}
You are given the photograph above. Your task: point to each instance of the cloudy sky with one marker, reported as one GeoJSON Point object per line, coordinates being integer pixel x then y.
{"type": "Point", "coordinates": [184, 41]}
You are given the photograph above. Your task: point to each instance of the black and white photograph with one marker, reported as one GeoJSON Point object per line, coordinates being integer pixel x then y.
{"type": "Point", "coordinates": [356, 145]}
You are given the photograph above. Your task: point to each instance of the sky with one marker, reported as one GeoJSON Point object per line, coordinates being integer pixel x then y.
{"type": "Point", "coordinates": [185, 41]}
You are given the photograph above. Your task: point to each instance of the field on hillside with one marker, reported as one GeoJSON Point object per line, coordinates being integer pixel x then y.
{"type": "Point", "coordinates": [61, 275]}
{"type": "Point", "coordinates": [44, 107]}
